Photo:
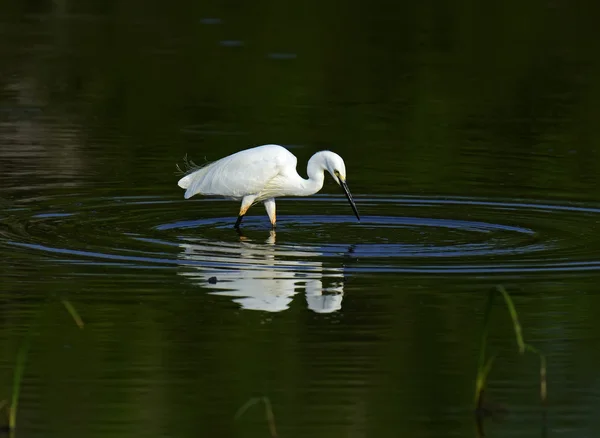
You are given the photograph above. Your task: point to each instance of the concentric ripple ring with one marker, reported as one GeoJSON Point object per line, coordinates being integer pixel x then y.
{"type": "Point", "coordinates": [397, 234]}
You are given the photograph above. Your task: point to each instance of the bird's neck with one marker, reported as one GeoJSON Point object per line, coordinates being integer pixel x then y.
{"type": "Point", "coordinates": [315, 170]}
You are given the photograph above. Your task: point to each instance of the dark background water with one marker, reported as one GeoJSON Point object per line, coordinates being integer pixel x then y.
{"type": "Point", "coordinates": [471, 137]}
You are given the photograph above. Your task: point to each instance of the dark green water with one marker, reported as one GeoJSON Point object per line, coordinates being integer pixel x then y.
{"type": "Point", "coordinates": [472, 144]}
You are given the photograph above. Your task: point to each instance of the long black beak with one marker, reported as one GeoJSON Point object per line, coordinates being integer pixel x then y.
{"type": "Point", "coordinates": [349, 197]}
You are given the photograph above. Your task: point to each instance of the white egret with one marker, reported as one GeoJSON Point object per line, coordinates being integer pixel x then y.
{"type": "Point", "coordinates": [261, 174]}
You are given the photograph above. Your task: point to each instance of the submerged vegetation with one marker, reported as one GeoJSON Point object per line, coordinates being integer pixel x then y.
{"type": "Point", "coordinates": [485, 363]}
{"type": "Point", "coordinates": [21, 360]}
{"type": "Point", "coordinates": [270, 417]}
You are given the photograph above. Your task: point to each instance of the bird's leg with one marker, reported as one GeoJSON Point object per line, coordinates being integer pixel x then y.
{"type": "Point", "coordinates": [238, 222]}
{"type": "Point", "coordinates": [270, 207]}
{"type": "Point", "coordinates": [241, 235]}
{"type": "Point", "coordinates": [247, 202]}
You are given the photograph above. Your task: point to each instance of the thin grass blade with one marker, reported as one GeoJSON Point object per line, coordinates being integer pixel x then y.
{"type": "Point", "coordinates": [543, 382]}
{"type": "Point", "coordinates": [73, 312]}
{"type": "Point", "coordinates": [242, 410]}
{"type": "Point", "coordinates": [18, 376]}
{"type": "Point", "coordinates": [268, 412]}
{"type": "Point", "coordinates": [270, 417]}
{"type": "Point", "coordinates": [514, 317]}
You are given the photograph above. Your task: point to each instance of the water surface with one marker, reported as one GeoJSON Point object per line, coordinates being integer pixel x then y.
{"type": "Point", "coordinates": [470, 139]}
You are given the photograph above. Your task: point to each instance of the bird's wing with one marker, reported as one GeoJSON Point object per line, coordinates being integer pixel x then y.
{"type": "Point", "coordinates": [244, 173]}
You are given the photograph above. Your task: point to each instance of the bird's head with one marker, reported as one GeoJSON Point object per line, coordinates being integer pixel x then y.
{"type": "Point", "coordinates": [334, 164]}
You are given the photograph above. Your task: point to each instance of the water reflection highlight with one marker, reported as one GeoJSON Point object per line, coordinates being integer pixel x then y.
{"type": "Point", "coordinates": [263, 277]}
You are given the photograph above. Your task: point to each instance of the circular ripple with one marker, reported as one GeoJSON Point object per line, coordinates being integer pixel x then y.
{"type": "Point", "coordinates": [396, 234]}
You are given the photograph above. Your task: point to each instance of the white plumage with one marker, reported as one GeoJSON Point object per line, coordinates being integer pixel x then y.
{"type": "Point", "coordinates": [237, 175]}
{"type": "Point", "coordinates": [263, 173]}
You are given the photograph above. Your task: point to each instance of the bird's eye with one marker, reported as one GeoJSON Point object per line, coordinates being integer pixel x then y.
{"type": "Point", "coordinates": [336, 173]}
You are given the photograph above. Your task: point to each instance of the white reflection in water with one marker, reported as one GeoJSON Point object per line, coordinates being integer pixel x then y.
{"type": "Point", "coordinates": [263, 276]}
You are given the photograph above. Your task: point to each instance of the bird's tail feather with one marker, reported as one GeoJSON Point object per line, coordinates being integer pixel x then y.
{"type": "Point", "coordinates": [188, 172]}
{"type": "Point", "coordinates": [188, 166]}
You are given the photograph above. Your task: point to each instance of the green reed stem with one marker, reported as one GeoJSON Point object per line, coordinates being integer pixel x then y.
{"type": "Point", "coordinates": [18, 376]}
{"type": "Point", "coordinates": [268, 412]}
{"type": "Point", "coordinates": [73, 312]}
{"type": "Point", "coordinates": [543, 383]}
{"type": "Point", "coordinates": [485, 365]}
{"type": "Point", "coordinates": [22, 359]}
{"type": "Point", "coordinates": [515, 318]}
{"type": "Point", "coordinates": [524, 346]}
